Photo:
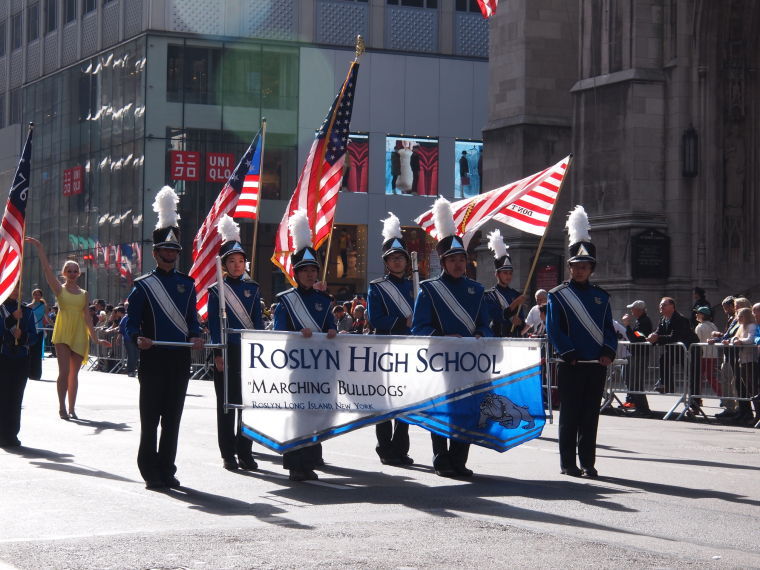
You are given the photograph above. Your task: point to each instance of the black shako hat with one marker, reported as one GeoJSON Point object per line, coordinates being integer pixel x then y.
{"type": "Point", "coordinates": [304, 254]}
{"type": "Point", "coordinates": [581, 248]}
{"type": "Point", "coordinates": [166, 235]}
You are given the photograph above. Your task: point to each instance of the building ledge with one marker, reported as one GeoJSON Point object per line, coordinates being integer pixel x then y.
{"type": "Point", "coordinates": [527, 120]}
{"type": "Point", "coordinates": [636, 74]}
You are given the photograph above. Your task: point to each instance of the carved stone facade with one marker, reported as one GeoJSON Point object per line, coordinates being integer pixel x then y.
{"type": "Point", "coordinates": [621, 84]}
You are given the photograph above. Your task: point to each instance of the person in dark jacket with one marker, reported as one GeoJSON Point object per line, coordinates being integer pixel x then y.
{"type": "Point", "coordinates": [638, 326]}
{"type": "Point", "coordinates": [699, 301]}
{"type": "Point", "coordinates": [673, 328]}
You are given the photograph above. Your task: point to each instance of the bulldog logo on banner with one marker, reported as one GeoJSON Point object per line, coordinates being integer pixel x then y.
{"type": "Point", "coordinates": [298, 391]}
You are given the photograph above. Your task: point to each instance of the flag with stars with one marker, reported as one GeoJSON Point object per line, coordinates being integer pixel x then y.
{"type": "Point", "coordinates": [12, 227]}
{"type": "Point", "coordinates": [319, 183]}
{"type": "Point", "coordinates": [208, 240]}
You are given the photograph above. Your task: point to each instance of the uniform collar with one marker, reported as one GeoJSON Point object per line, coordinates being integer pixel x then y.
{"type": "Point", "coordinates": [449, 279]}
{"type": "Point", "coordinates": [390, 277]}
{"type": "Point", "coordinates": [159, 271]}
{"type": "Point", "coordinates": [583, 286]}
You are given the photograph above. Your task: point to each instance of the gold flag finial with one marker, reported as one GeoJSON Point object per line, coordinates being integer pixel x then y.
{"type": "Point", "coordinates": [359, 47]}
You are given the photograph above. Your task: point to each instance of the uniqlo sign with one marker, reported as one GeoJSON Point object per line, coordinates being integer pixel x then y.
{"type": "Point", "coordinates": [219, 166]}
{"type": "Point", "coordinates": [185, 165]}
{"type": "Point", "coordinates": [73, 180]}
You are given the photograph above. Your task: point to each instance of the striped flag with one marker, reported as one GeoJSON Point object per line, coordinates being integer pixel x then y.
{"type": "Point", "coordinates": [318, 185]}
{"type": "Point", "coordinates": [526, 205]}
{"type": "Point", "coordinates": [248, 203]}
{"type": "Point", "coordinates": [488, 7]}
{"type": "Point", "coordinates": [12, 227]}
{"type": "Point", "coordinates": [207, 240]}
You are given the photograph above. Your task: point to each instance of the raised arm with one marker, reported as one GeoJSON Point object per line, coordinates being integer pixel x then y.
{"type": "Point", "coordinates": [50, 277]}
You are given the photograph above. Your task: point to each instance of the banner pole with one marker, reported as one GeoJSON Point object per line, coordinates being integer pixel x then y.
{"type": "Point", "coordinates": [543, 236]}
{"type": "Point", "coordinates": [21, 261]}
{"type": "Point", "coordinates": [261, 188]}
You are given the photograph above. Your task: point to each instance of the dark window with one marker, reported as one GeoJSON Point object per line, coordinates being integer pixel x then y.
{"type": "Point", "coordinates": [33, 21]}
{"type": "Point", "coordinates": [3, 34]}
{"type": "Point", "coordinates": [69, 11]}
{"type": "Point", "coordinates": [107, 2]}
{"type": "Point", "coordinates": [88, 6]}
{"type": "Point", "coordinates": [88, 96]}
{"type": "Point", "coordinates": [51, 15]}
{"type": "Point", "coordinates": [14, 113]}
{"type": "Point", "coordinates": [467, 6]}
{"type": "Point", "coordinates": [192, 74]}
{"type": "Point", "coordinates": [2, 110]}
{"type": "Point", "coordinates": [17, 31]}
{"type": "Point", "coordinates": [415, 3]}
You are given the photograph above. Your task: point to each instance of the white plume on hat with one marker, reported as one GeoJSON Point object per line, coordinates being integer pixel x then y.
{"type": "Point", "coordinates": [577, 226]}
{"type": "Point", "coordinates": [443, 218]}
{"type": "Point", "coordinates": [228, 228]}
{"type": "Point", "coordinates": [298, 226]}
{"type": "Point", "coordinates": [165, 205]}
{"type": "Point", "coordinates": [391, 227]}
{"type": "Point", "coordinates": [496, 244]}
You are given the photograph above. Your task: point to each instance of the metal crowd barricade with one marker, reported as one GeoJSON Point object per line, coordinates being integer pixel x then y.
{"type": "Point", "coordinates": [202, 361]}
{"type": "Point", "coordinates": [730, 373]}
{"type": "Point", "coordinates": [107, 359]}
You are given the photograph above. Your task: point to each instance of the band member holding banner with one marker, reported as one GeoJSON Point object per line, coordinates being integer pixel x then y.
{"type": "Point", "coordinates": [162, 308]}
{"type": "Point", "coordinates": [243, 301]}
{"type": "Point", "coordinates": [306, 309]}
{"type": "Point", "coordinates": [505, 302]}
{"type": "Point", "coordinates": [389, 308]}
{"type": "Point", "coordinates": [579, 326]}
{"type": "Point", "coordinates": [450, 305]}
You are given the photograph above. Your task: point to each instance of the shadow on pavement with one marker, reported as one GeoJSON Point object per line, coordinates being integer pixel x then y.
{"type": "Point", "coordinates": [598, 445]}
{"type": "Point", "coordinates": [676, 491]}
{"type": "Point", "coordinates": [693, 462]}
{"type": "Point", "coordinates": [100, 427]}
{"type": "Point", "coordinates": [62, 462]}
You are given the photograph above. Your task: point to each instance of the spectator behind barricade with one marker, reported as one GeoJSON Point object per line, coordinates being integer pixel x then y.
{"type": "Point", "coordinates": [756, 314]}
{"type": "Point", "coordinates": [347, 305]}
{"type": "Point", "coordinates": [708, 362]}
{"type": "Point", "coordinates": [540, 330]}
{"type": "Point", "coordinates": [360, 322]}
{"type": "Point", "coordinates": [728, 305]}
{"type": "Point", "coordinates": [533, 320]}
{"type": "Point", "coordinates": [728, 359]}
{"type": "Point", "coordinates": [52, 316]}
{"type": "Point", "coordinates": [620, 332]}
{"type": "Point", "coordinates": [39, 309]}
{"type": "Point", "coordinates": [343, 322]}
{"type": "Point", "coordinates": [269, 325]}
{"type": "Point", "coordinates": [673, 328]}
{"type": "Point", "coordinates": [699, 301]}
{"type": "Point", "coordinates": [745, 383]}
{"type": "Point", "coordinates": [638, 326]}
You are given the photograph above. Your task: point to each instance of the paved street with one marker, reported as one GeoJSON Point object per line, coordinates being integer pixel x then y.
{"type": "Point", "coordinates": [671, 494]}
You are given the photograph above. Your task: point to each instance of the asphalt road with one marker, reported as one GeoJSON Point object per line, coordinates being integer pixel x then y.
{"type": "Point", "coordinates": [670, 495]}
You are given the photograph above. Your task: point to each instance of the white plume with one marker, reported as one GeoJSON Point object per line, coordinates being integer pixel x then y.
{"type": "Point", "coordinates": [496, 244]}
{"type": "Point", "coordinates": [229, 229]}
{"type": "Point", "coordinates": [391, 227]}
{"type": "Point", "coordinates": [165, 205]}
{"type": "Point", "coordinates": [298, 226]}
{"type": "Point", "coordinates": [443, 218]}
{"type": "Point", "coordinates": [577, 226]}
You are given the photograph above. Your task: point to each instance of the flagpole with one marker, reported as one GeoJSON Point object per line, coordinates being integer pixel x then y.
{"type": "Point", "coordinates": [543, 237]}
{"type": "Point", "coordinates": [21, 261]}
{"type": "Point", "coordinates": [261, 194]}
{"type": "Point", "coordinates": [359, 51]}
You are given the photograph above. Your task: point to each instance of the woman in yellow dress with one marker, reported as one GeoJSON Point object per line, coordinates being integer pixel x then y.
{"type": "Point", "coordinates": [72, 331]}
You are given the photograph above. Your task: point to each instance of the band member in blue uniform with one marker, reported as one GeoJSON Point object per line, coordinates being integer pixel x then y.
{"type": "Point", "coordinates": [162, 308]}
{"type": "Point", "coordinates": [19, 333]}
{"type": "Point", "coordinates": [306, 309]}
{"type": "Point", "coordinates": [243, 301]}
{"type": "Point", "coordinates": [579, 326]}
{"type": "Point", "coordinates": [507, 318]}
{"type": "Point", "coordinates": [389, 310]}
{"type": "Point", "coordinates": [450, 305]}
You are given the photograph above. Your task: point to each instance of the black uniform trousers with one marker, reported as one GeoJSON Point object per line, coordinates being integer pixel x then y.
{"type": "Point", "coordinates": [35, 359]}
{"type": "Point", "coordinates": [228, 426]}
{"type": "Point", "coordinates": [163, 374]}
{"type": "Point", "coordinates": [580, 395]}
{"type": "Point", "coordinates": [392, 439]}
{"type": "Point", "coordinates": [303, 459]}
{"type": "Point", "coordinates": [12, 386]}
{"type": "Point", "coordinates": [448, 453]}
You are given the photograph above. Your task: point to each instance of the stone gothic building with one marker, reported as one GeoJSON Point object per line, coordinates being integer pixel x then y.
{"type": "Point", "coordinates": [659, 101]}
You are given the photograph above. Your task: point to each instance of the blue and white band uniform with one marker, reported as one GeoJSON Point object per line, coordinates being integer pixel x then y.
{"type": "Point", "coordinates": [579, 322]}
{"type": "Point", "coordinates": [242, 298]}
{"type": "Point", "coordinates": [162, 307]}
{"type": "Point", "coordinates": [499, 299]}
{"type": "Point", "coordinates": [447, 305]}
{"type": "Point", "coordinates": [389, 303]}
{"type": "Point", "coordinates": [290, 316]}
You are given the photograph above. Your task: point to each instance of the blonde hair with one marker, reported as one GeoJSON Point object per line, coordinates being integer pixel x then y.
{"type": "Point", "coordinates": [66, 264]}
{"type": "Point", "coordinates": [742, 302]}
{"type": "Point", "coordinates": [745, 312]}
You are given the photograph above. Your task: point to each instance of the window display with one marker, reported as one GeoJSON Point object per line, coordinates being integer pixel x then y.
{"type": "Point", "coordinates": [347, 270]}
{"type": "Point", "coordinates": [356, 166]}
{"type": "Point", "coordinates": [468, 169]}
{"type": "Point", "coordinates": [411, 166]}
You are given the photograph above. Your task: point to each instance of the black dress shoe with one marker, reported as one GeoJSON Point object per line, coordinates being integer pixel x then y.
{"type": "Point", "coordinates": [171, 481]}
{"type": "Point", "coordinates": [590, 472]}
{"type": "Point", "coordinates": [462, 471]}
{"type": "Point", "coordinates": [296, 475]}
{"type": "Point", "coordinates": [390, 461]}
{"type": "Point", "coordinates": [406, 460]}
{"type": "Point", "coordinates": [230, 464]}
{"type": "Point", "coordinates": [155, 484]}
{"type": "Point", "coordinates": [247, 462]}
{"type": "Point", "coordinates": [446, 472]}
{"type": "Point", "coordinates": [572, 471]}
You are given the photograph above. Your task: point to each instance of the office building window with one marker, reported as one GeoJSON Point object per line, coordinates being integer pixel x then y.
{"type": "Point", "coordinates": [69, 11]}
{"type": "Point", "coordinates": [14, 112]}
{"type": "Point", "coordinates": [51, 15]}
{"type": "Point", "coordinates": [411, 166]}
{"type": "Point", "coordinates": [17, 31]}
{"type": "Point", "coordinates": [88, 6]}
{"type": "Point", "coordinates": [3, 34]}
{"type": "Point", "coordinates": [467, 6]}
{"type": "Point", "coordinates": [2, 110]}
{"type": "Point", "coordinates": [468, 169]}
{"type": "Point", "coordinates": [33, 21]}
{"type": "Point", "coordinates": [415, 3]}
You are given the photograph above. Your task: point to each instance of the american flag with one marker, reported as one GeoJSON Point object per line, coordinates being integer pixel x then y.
{"type": "Point", "coordinates": [488, 7]}
{"type": "Point", "coordinates": [320, 180]}
{"type": "Point", "coordinates": [526, 205]}
{"type": "Point", "coordinates": [123, 254]}
{"type": "Point", "coordinates": [12, 227]}
{"type": "Point", "coordinates": [207, 240]}
{"type": "Point", "coordinates": [248, 202]}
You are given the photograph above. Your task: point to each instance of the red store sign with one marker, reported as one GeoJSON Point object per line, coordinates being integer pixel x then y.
{"type": "Point", "coordinates": [73, 180]}
{"type": "Point", "coordinates": [219, 166]}
{"type": "Point", "coordinates": [185, 165]}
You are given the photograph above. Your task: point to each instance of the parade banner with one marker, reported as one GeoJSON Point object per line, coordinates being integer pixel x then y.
{"type": "Point", "coordinates": [298, 391]}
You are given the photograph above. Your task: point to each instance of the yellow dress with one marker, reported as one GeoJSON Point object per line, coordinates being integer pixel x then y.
{"type": "Point", "coordinates": [70, 328]}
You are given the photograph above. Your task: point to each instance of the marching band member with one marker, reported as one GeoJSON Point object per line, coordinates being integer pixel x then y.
{"type": "Point", "coordinates": [306, 309]}
{"type": "Point", "coordinates": [389, 308]}
{"type": "Point", "coordinates": [579, 325]}
{"type": "Point", "coordinates": [243, 302]}
{"type": "Point", "coordinates": [505, 302]}
{"type": "Point", "coordinates": [450, 305]}
{"type": "Point", "coordinates": [162, 308]}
